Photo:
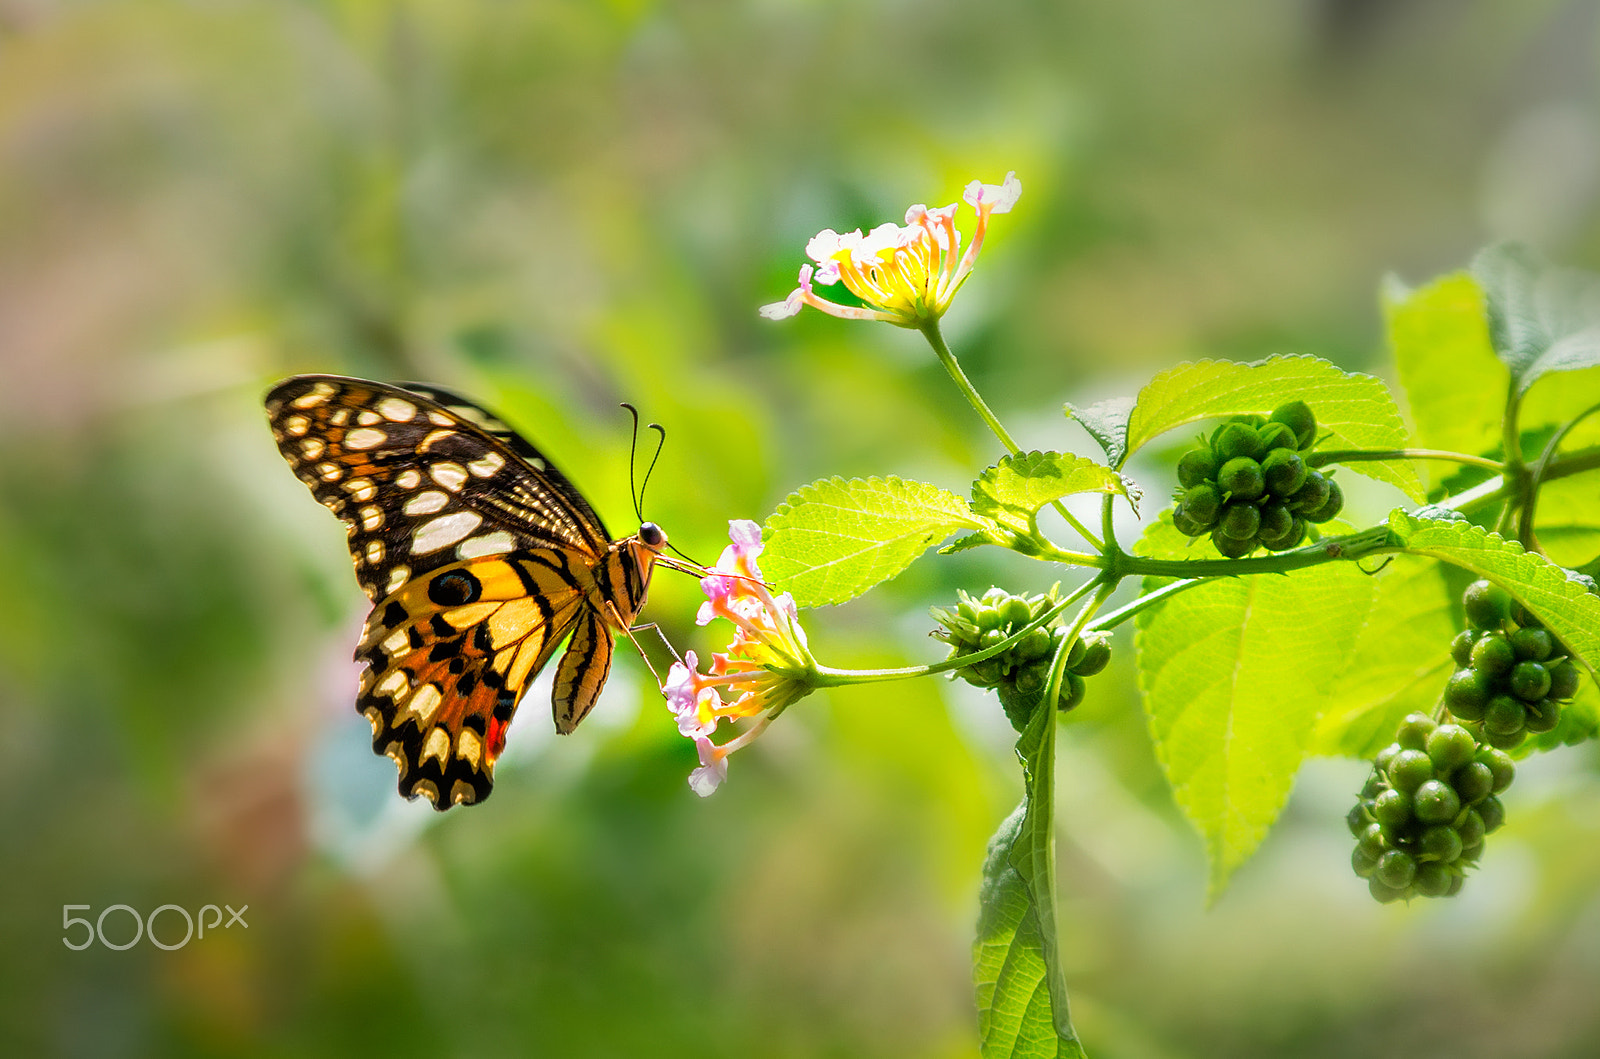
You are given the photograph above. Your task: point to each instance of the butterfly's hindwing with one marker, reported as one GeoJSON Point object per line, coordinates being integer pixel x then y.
{"type": "Point", "coordinates": [479, 557]}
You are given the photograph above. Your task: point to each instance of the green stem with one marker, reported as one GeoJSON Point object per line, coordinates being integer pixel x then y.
{"type": "Point", "coordinates": [1374, 541]}
{"type": "Point", "coordinates": [930, 331]}
{"type": "Point", "coordinates": [1525, 530]}
{"type": "Point", "coordinates": [1320, 459]}
{"type": "Point", "coordinates": [1514, 473]}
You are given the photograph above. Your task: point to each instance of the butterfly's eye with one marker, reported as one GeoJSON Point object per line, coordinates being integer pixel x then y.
{"type": "Point", "coordinates": [651, 535]}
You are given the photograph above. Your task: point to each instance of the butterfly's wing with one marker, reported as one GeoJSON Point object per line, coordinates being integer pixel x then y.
{"type": "Point", "coordinates": [448, 656]}
{"type": "Point", "coordinates": [479, 557]}
{"type": "Point", "coordinates": [420, 485]}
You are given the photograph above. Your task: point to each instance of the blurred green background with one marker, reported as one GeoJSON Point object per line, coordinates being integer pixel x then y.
{"type": "Point", "coordinates": [557, 205]}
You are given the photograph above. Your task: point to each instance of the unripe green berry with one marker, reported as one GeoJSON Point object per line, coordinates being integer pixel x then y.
{"type": "Point", "coordinates": [1240, 520]}
{"type": "Point", "coordinates": [1435, 802]}
{"type": "Point", "coordinates": [1471, 829]}
{"type": "Point", "coordinates": [1414, 731]}
{"type": "Point", "coordinates": [1385, 756]}
{"type": "Point", "coordinates": [1239, 439]}
{"type": "Point", "coordinates": [1371, 839]}
{"type": "Point", "coordinates": [986, 673]}
{"type": "Point", "coordinates": [1196, 466]}
{"type": "Point", "coordinates": [1096, 655]}
{"type": "Point", "coordinates": [1293, 539]}
{"type": "Point", "coordinates": [1440, 841]}
{"type": "Point", "coordinates": [1564, 680]}
{"type": "Point", "coordinates": [988, 617]}
{"type": "Point", "coordinates": [1202, 503]}
{"type": "Point", "coordinates": [1382, 892]}
{"type": "Point", "coordinates": [1241, 479]}
{"type": "Point", "coordinates": [1297, 416]}
{"type": "Point", "coordinates": [1311, 495]}
{"type": "Point", "coordinates": [1473, 782]}
{"type": "Point", "coordinates": [1396, 869]}
{"type": "Point", "coordinates": [1072, 692]}
{"type": "Point", "coordinates": [1392, 809]}
{"type": "Point", "coordinates": [1471, 854]}
{"type": "Point", "coordinates": [992, 638]}
{"type": "Point", "coordinates": [1530, 681]}
{"type": "Point", "coordinates": [1449, 747]}
{"type": "Point", "coordinates": [1036, 644]}
{"type": "Point", "coordinates": [1030, 680]}
{"type": "Point", "coordinates": [1506, 740]}
{"type": "Point", "coordinates": [1505, 716]}
{"type": "Point", "coordinates": [1279, 436]}
{"type": "Point", "coordinates": [1534, 645]}
{"type": "Point", "coordinates": [1492, 654]}
{"type": "Point", "coordinates": [1487, 604]}
{"type": "Point", "coordinates": [1015, 613]}
{"type": "Point", "coordinates": [1362, 862]}
{"type": "Point", "coordinates": [1229, 547]}
{"type": "Point", "coordinates": [1186, 525]}
{"type": "Point", "coordinates": [1358, 819]}
{"type": "Point", "coordinates": [1493, 813]}
{"type": "Point", "coordinates": [1409, 770]}
{"type": "Point", "coordinates": [1076, 652]}
{"type": "Point", "coordinates": [1284, 471]}
{"type": "Point", "coordinates": [1543, 716]}
{"type": "Point", "coordinates": [1374, 786]}
{"type": "Point", "coordinates": [1276, 522]}
{"type": "Point", "coordinates": [1467, 694]}
{"type": "Point", "coordinates": [1330, 507]}
{"type": "Point", "coordinates": [1461, 646]}
{"type": "Point", "coordinates": [1434, 879]}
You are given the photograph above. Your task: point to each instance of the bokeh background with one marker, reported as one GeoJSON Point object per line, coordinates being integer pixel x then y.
{"type": "Point", "coordinates": [557, 205]}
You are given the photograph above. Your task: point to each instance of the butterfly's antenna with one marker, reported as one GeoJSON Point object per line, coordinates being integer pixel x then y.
{"type": "Point", "coordinates": [661, 442]}
{"type": "Point", "coordinates": [633, 447]}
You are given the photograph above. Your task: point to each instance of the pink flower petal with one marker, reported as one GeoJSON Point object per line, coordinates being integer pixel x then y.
{"type": "Point", "coordinates": [997, 198]}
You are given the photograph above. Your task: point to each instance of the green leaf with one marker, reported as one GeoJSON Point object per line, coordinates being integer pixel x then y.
{"type": "Point", "coordinates": [1354, 411]}
{"type": "Point", "coordinates": [1567, 609]}
{"type": "Point", "coordinates": [833, 539]}
{"type": "Point", "coordinates": [1399, 663]}
{"type": "Point", "coordinates": [1456, 387]}
{"type": "Point", "coordinates": [1013, 490]}
{"type": "Point", "coordinates": [1107, 423]}
{"type": "Point", "coordinates": [1541, 318]}
{"type": "Point", "coordinates": [1234, 674]}
{"type": "Point", "coordinates": [1022, 998]}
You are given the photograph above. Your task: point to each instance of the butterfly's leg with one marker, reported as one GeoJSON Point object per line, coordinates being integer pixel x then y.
{"type": "Point", "coordinates": [628, 631]}
{"type": "Point", "coordinates": [653, 627]}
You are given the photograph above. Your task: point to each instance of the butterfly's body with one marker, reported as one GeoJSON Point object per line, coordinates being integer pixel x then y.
{"type": "Point", "coordinates": [479, 557]}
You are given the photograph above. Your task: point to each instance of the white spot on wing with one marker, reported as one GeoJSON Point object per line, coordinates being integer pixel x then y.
{"type": "Point", "coordinates": [330, 471]}
{"type": "Point", "coordinates": [312, 447]}
{"type": "Point", "coordinates": [371, 517]}
{"type": "Point", "coordinates": [470, 747]}
{"type": "Point", "coordinates": [427, 503]}
{"type": "Point", "coordinates": [397, 577]}
{"type": "Point", "coordinates": [397, 411]}
{"type": "Point", "coordinates": [409, 478]}
{"type": "Point", "coordinates": [319, 395]}
{"type": "Point", "coordinates": [444, 531]}
{"type": "Point", "coordinates": [393, 684]}
{"type": "Point", "coordinates": [497, 543]}
{"type": "Point", "coordinates": [434, 438]}
{"type": "Point", "coordinates": [297, 425]}
{"type": "Point", "coordinates": [490, 464]}
{"type": "Point", "coordinates": [450, 475]}
{"type": "Point", "coordinates": [394, 643]}
{"type": "Point", "coordinates": [368, 417]}
{"type": "Point", "coordinates": [361, 488]}
{"type": "Point", "coordinates": [374, 551]}
{"type": "Point", "coordinates": [365, 438]}
{"type": "Point", "coordinates": [440, 419]}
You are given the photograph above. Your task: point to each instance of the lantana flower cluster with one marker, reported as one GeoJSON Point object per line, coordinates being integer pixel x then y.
{"type": "Point", "coordinates": [905, 275]}
{"type": "Point", "coordinates": [766, 667]}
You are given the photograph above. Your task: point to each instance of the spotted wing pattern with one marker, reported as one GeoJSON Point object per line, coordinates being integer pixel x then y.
{"type": "Point", "coordinates": [480, 558]}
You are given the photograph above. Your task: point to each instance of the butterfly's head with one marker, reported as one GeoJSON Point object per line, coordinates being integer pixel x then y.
{"type": "Point", "coordinates": [652, 536]}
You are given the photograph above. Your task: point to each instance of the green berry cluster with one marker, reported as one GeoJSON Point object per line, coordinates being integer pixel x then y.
{"type": "Point", "coordinates": [1249, 485]}
{"type": "Point", "coordinates": [1425, 810]}
{"type": "Point", "coordinates": [1020, 673]}
{"type": "Point", "coordinates": [1513, 674]}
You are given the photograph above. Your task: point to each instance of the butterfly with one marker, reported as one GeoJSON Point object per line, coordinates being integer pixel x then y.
{"type": "Point", "coordinates": [479, 557]}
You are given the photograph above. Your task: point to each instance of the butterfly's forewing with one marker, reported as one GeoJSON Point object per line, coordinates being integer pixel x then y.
{"type": "Point", "coordinates": [479, 557]}
{"type": "Point", "coordinates": [419, 486]}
